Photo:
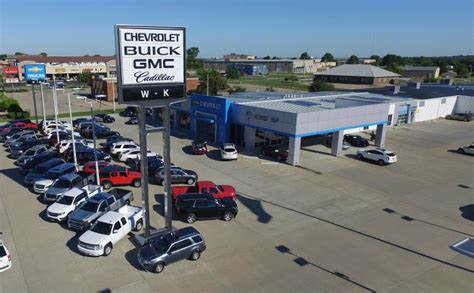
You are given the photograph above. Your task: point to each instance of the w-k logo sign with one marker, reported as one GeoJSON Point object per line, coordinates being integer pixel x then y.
{"type": "Point", "coordinates": [150, 93]}
{"type": "Point", "coordinates": [146, 93]}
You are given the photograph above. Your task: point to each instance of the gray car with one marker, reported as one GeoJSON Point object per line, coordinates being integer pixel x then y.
{"type": "Point", "coordinates": [185, 243]}
{"type": "Point", "coordinates": [31, 152]}
{"type": "Point", "coordinates": [16, 142]}
{"type": "Point", "coordinates": [16, 136]}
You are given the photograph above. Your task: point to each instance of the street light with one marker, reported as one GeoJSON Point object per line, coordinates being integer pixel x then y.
{"type": "Point", "coordinates": [93, 136]}
{"type": "Point", "coordinates": [72, 130]}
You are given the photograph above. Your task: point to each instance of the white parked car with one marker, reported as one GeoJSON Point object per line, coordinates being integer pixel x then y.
{"type": "Point", "coordinates": [67, 203]}
{"type": "Point", "coordinates": [77, 135]}
{"type": "Point", "coordinates": [134, 154]}
{"type": "Point", "coordinates": [110, 229]}
{"type": "Point", "coordinates": [466, 149]}
{"type": "Point", "coordinates": [5, 257]}
{"type": "Point", "coordinates": [65, 144]}
{"type": "Point", "coordinates": [228, 151]}
{"type": "Point", "coordinates": [119, 147]}
{"type": "Point", "coordinates": [379, 155]}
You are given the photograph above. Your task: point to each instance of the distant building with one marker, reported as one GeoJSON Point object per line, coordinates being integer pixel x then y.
{"type": "Point", "coordinates": [69, 67]}
{"type": "Point", "coordinates": [420, 72]}
{"type": "Point", "coordinates": [449, 74]}
{"type": "Point", "coordinates": [357, 74]}
{"type": "Point", "coordinates": [274, 65]}
{"type": "Point", "coordinates": [239, 57]}
{"type": "Point", "coordinates": [250, 69]}
{"type": "Point", "coordinates": [367, 61]}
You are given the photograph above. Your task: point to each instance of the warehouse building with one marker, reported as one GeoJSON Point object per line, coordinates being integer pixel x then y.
{"type": "Point", "coordinates": [357, 74]}
{"type": "Point", "coordinates": [257, 119]}
{"type": "Point", "coordinates": [421, 72]}
{"type": "Point", "coordinates": [274, 65]}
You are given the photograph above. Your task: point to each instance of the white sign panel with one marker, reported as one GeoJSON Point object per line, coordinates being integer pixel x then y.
{"type": "Point", "coordinates": [152, 56]}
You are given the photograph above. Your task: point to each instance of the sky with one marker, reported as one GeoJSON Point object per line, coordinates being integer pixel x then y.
{"type": "Point", "coordinates": [254, 27]}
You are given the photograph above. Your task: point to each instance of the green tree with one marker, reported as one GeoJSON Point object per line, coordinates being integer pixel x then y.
{"type": "Point", "coordinates": [267, 58]}
{"type": "Point", "coordinates": [85, 77]}
{"type": "Point", "coordinates": [44, 54]}
{"type": "Point", "coordinates": [3, 56]}
{"type": "Point", "coordinates": [305, 56]}
{"type": "Point", "coordinates": [353, 60]}
{"type": "Point", "coordinates": [462, 70]}
{"type": "Point", "coordinates": [233, 73]}
{"type": "Point", "coordinates": [320, 85]}
{"type": "Point", "coordinates": [6, 102]}
{"type": "Point", "coordinates": [394, 68]}
{"type": "Point", "coordinates": [376, 58]}
{"type": "Point", "coordinates": [97, 55]}
{"type": "Point", "coordinates": [391, 59]}
{"type": "Point", "coordinates": [216, 82]}
{"type": "Point", "coordinates": [192, 61]}
{"type": "Point", "coordinates": [19, 53]}
{"type": "Point", "coordinates": [274, 58]}
{"type": "Point", "coordinates": [328, 57]}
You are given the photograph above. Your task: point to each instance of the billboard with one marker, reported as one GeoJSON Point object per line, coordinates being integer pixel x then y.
{"type": "Point", "coordinates": [151, 64]}
{"type": "Point", "coordinates": [35, 72]}
{"type": "Point", "coordinates": [13, 70]}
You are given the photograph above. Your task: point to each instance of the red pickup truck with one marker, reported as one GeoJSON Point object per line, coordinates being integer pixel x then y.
{"type": "Point", "coordinates": [117, 175]}
{"type": "Point", "coordinates": [218, 191]}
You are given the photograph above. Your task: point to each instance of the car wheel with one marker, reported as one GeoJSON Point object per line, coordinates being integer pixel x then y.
{"type": "Point", "coordinates": [127, 202]}
{"type": "Point", "coordinates": [159, 267]}
{"type": "Point", "coordinates": [137, 183]}
{"type": "Point", "coordinates": [139, 225]}
{"type": "Point", "coordinates": [381, 162]}
{"type": "Point", "coordinates": [108, 249]}
{"type": "Point", "coordinates": [228, 216]}
{"type": "Point", "coordinates": [191, 218]}
{"type": "Point", "coordinates": [190, 181]}
{"type": "Point", "coordinates": [195, 255]}
{"type": "Point", "coordinates": [460, 151]}
{"type": "Point", "coordinates": [359, 156]}
{"type": "Point", "coordinates": [107, 184]}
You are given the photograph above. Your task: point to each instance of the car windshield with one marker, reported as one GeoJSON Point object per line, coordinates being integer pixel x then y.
{"type": "Point", "coordinates": [390, 154]}
{"type": "Point", "coordinates": [102, 228]}
{"type": "Point", "coordinates": [2, 251]}
{"type": "Point", "coordinates": [229, 150]}
{"type": "Point", "coordinates": [162, 245]}
{"type": "Point", "coordinates": [52, 175]}
{"type": "Point", "coordinates": [29, 153]}
{"type": "Point", "coordinates": [66, 200]}
{"type": "Point", "coordinates": [62, 183]}
{"type": "Point", "coordinates": [90, 207]}
{"type": "Point", "coordinates": [220, 188]}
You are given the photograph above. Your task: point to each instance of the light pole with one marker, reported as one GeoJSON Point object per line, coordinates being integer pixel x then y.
{"type": "Point", "coordinates": [55, 100]}
{"type": "Point", "coordinates": [72, 130]}
{"type": "Point", "coordinates": [113, 95]}
{"type": "Point", "coordinates": [42, 101]}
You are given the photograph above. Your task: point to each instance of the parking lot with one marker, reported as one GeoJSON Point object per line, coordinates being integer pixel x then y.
{"type": "Point", "coordinates": [334, 225]}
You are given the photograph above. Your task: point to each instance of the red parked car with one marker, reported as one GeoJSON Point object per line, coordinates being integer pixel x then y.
{"type": "Point", "coordinates": [218, 191]}
{"type": "Point", "coordinates": [199, 147]}
{"type": "Point", "coordinates": [117, 175]}
{"type": "Point", "coordinates": [26, 125]}
{"type": "Point", "coordinates": [89, 167]}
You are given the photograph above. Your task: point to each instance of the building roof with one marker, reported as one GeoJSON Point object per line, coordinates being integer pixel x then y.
{"type": "Point", "coordinates": [420, 68]}
{"type": "Point", "coordinates": [64, 59]}
{"type": "Point", "coordinates": [313, 102]}
{"type": "Point", "coordinates": [361, 70]}
{"type": "Point", "coordinates": [426, 91]}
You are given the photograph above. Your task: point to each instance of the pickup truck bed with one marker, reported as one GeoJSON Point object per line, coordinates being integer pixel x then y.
{"type": "Point", "coordinates": [119, 192]}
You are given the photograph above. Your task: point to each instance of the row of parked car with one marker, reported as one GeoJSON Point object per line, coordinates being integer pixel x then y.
{"type": "Point", "coordinates": [105, 217]}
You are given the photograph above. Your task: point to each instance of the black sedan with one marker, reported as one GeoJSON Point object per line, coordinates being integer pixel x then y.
{"type": "Point", "coordinates": [101, 132]}
{"type": "Point", "coordinates": [132, 121]}
{"type": "Point", "coordinates": [104, 118]}
{"type": "Point", "coordinates": [356, 140]}
{"type": "Point", "coordinates": [86, 155]}
{"type": "Point", "coordinates": [276, 152]}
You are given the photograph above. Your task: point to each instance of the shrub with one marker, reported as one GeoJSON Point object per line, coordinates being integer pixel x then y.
{"type": "Point", "coordinates": [6, 102]}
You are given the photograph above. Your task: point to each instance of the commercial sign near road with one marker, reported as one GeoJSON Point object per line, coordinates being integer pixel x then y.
{"type": "Point", "coordinates": [35, 72]}
{"type": "Point", "coordinates": [151, 64]}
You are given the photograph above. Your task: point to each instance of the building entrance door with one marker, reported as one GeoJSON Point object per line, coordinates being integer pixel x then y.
{"type": "Point", "coordinates": [206, 129]}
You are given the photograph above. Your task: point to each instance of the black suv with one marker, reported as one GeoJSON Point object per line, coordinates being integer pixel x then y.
{"type": "Point", "coordinates": [192, 206]}
{"type": "Point", "coordinates": [36, 160]}
{"type": "Point", "coordinates": [104, 118]}
{"type": "Point", "coordinates": [356, 140]}
{"type": "Point", "coordinates": [87, 154]}
{"type": "Point", "coordinates": [185, 243]}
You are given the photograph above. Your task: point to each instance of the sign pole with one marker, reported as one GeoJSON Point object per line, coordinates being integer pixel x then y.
{"type": "Point", "coordinates": [42, 101]}
{"type": "Point", "coordinates": [72, 131]}
{"type": "Point", "coordinates": [144, 167]}
{"type": "Point", "coordinates": [167, 161]}
{"type": "Point", "coordinates": [34, 102]}
{"type": "Point", "coordinates": [55, 100]}
{"type": "Point", "coordinates": [113, 95]}
{"type": "Point", "coordinates": [95, 148]}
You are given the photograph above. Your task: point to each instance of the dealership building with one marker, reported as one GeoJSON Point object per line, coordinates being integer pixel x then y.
{"type": "Point", "coordinates": [252, 120]}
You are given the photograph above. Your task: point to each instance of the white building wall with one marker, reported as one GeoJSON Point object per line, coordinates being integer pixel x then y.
{"type": "Point", "coordinates": [464, 104]}
{"type": "Point", "coordinates": [435, 108]}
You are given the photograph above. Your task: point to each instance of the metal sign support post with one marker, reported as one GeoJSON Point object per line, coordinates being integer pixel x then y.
{"type": "Point", "coordinates": [95, 148]}
{"type": "Point", "coordinates": [55, 100]}
{"type": "Point", "coordinates": [144, 166]}
{"type": "Point", "coordinates": [167, 161]}
{"type": "Point", "coordinates": [42, 101]}
{"type": "Point", "coordinates": [72, 130]}
{"type": "Point", "coordinates": [34, 101]}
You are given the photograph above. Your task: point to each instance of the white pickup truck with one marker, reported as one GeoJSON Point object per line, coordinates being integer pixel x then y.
{"type": "Point", "coordinates": [69, 200]}
{"type": "Point", "coordinates": [109, 229]}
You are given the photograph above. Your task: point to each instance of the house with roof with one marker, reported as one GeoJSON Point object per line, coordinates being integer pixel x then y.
{"type": "Point", "coordinates": [420, 72]}
{"type": "Point", "coordinates": [357, 74]}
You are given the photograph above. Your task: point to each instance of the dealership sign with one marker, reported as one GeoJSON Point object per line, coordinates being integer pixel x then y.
{"type": "Point", "coordinates": [151, 64]}
{"type": "Point", "coordinates": [35, 72]}
{"type": "Point", "coordinates": [10, 70]}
